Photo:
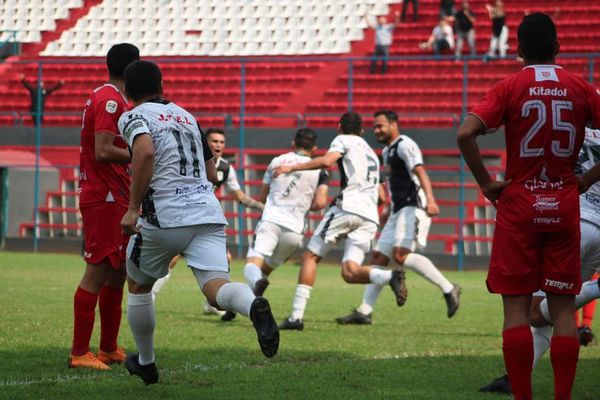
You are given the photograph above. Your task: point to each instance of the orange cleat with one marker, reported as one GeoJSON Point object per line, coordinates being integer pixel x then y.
{"type": "Point", "coordinates": [112, 357]}
{"type": "Point", "coordinates": [87, 360]}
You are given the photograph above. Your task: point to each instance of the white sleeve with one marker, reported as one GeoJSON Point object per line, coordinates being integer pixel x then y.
{"type": "Point", "coordinates": [338, 145]}
{"type": "Point", "coordinates": [268, 174]}
{"type": "Point", "coordinates": [411, 155]}
{"type": "Point", "coordinates": [131, 125]}
{"type": "Point", "coordinates": [232, 184]}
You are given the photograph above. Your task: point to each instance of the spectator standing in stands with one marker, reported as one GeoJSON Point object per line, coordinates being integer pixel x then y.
{"type": "Point", "coordinates": [415, 9]}
{"type": "Point", "coordinates": [442, 38]}
{"type": "Point", "coordinates": [447, 8]}
{"type": "Point", "coordinates": [383, 39]}
{"type": "Point", "coordinates": [499, 39]}
{"type": "Point", "coordinates": [33, 94]}
{"type": "Point", "coordinates": [463, 23]}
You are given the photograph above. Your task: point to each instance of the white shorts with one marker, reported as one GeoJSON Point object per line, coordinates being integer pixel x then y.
{"type": "Point", "coordinates": [590, 250]}
{"type": "Point", "coordinates": [150, 251]}
{"type": "Point", "coordinates": [407, 228]}
{"type": "Point", "coordinates": [274, 243]}
{"type": "Point", "coordinates": [337, 225]}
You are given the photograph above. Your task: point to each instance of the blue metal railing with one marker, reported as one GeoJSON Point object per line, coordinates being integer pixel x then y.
{"type": "Point", "coordinates": [10, 40]}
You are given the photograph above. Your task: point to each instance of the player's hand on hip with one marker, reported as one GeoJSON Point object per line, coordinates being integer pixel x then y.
{"type": "Point", "coordinates": [129, 222]}
{"type": "Point", "coordinates": [432, 208]}
{"type": "Point", "coordinates": [493, 190]}
{"type": "Point", "coordinates": [284, 169]}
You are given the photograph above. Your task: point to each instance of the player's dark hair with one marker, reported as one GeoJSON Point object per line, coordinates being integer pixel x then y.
{"type": "Point", "coordinates": [390, 115]}
{"type": "Point", "coordinates": [351, 123]}
{"type": "Point", "coordinates": [119, 57]}
{"type": "Point", "coordinates": [142, 79]}
{"type": "Point", "coordinates": [210, 131]}
{"type": "Point", "coordinates": [305, 139]}
{"type": "Point", "coordinates": [537, 37]}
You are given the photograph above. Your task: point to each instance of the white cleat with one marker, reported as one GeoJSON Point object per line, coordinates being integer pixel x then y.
{"type": "Point", "coordinates": [210, 310]}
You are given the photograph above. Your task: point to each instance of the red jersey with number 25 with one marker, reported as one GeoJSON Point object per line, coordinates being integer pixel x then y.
{"type": "Point", "coordinates": [545, 110]}
{"type": "Point", "coordinates": [102, 182]}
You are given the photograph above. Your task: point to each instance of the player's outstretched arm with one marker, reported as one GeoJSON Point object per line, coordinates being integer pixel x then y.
{"type": "Point", "coordinates": [325, 161]}
{"type": "Point", "coordinates": [247, 200]}
{"type": "Point", "coordinates": [467, 142]}
{"type": "Point", "coordinates": [106, 151]}
{"type": "Point", "coordinates": [142, 163]}
{"type": "Point", "coordinates": [425, 182]}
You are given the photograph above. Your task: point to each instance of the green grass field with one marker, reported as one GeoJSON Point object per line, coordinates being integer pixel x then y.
{"type": "Point", "coordinates": [413, 352]}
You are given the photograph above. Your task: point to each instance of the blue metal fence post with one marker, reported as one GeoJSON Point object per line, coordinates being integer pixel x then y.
{"type": "Point", "coordinates": [461, 176]}
{"type": "Point", "coordinates": [591, 70]}
{"type": "Point", "coordinates": [242, 153]}
{"type": "Point", "coordinates": [350, 84]}
{"type": "Point", "coordinates": [38, 144]}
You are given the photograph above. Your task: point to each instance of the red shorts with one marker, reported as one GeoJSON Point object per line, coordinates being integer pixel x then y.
{"type": "Point", "coordinates": [523, 263]}
{"type": "Point", "coordinates": [103, 239]}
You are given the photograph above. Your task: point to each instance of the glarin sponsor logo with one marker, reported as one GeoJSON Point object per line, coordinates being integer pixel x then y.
{"type": "Point", "coordinates": [542, 182]}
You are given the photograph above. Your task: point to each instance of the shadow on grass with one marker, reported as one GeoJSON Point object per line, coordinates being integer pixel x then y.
{"type": "Point", "coordinates": [236, 373]}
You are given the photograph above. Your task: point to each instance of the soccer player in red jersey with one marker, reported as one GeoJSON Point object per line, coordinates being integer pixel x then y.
{"type": "Point", "coordinates": [545, 110]}
{"type": "Point", "coordinates": [104, 198]}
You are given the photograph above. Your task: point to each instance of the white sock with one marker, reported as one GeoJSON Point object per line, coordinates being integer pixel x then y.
{"type": "Point", "coordinates": [252, 273]}
{"type": "Point", "coordinates": [541, 342]}
{"type": "Point", "coordinates": [380, 276]}
{"type": "Point", "coordinates": [372, 291]}
{"type": "Point", "coordinates": [300, 299]}
{"type": "Point", "coordinates": [589, 291]}
{"type": "Point", "coordinates": [142, 321]}
{"type": "Point", "coordinates": [236, 297]}
{"type": "Point", "coordinates": [424, 267]}
{"type": "Point", "coordinates": [158, 285]}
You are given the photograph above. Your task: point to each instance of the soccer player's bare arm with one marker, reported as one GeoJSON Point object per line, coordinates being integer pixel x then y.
{"type": "Point", "coordinates": [325, 161]}
{"type": "Point", "coordinates": [472, 127]}
{"type": "Point", "coordinates": [425, 183]}
{"type": "Point", "coordinates": [141, 174]}
{"type": "Point", "coordinates": [320, 199]}
{"type": "Point", "coordinates": [106, 151]}
{"type": "Point", "coordinates": [211, 171]}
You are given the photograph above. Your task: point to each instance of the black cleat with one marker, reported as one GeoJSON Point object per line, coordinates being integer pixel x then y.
{"type": "Point", "coordinates": [260, 286]}
{"type": "Point", "coordinates": [228, 316]}
{"type": "Point", "coordinates": [291, 325]}
{"type": "Point", "coordinates": [398, 285]}
{"type": "Point", "coordinates": [148, 373]}
{"type": "Point", "coordinates": [498, 385]}
{"type": "Point", "coordinates": [586, 336]}
{"type": "Point", "coordinates": [355, 318]}
{"type": "Point", "coordinates": [453, 300]}
{"type": "Point", "coordinates": [266, 328]}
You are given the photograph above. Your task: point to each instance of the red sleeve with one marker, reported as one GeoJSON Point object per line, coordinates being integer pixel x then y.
{"type": "Point", "coordinates": [492, 107]}
{"type": "Point", "coordinates": [595, 107]}
{"type": "Point", "coordinates": [106, 116]}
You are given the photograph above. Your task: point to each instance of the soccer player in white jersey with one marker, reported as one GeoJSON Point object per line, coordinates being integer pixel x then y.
{"type": "Point", "coordinates": [227, 179]}
{"type": "Point", "coordinates": [353, 217]}
{"type": "Point", "coordinates": [589, 205]}
{"type": "Point", "coordinates": [172, 175]}
{"type": "Point", "coordinates": [288, 199]}
{"type": "Point", "coordinates": [413, 205]}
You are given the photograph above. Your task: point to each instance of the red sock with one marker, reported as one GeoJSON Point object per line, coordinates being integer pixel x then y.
{"type": "Point", "coordinates": [109, 304]}
{"type": "Point", "coordinates": [588, 313]}
{"type": "Point", "coordinates": [564, 352]}
{"type": "Point", "coordinates": [517, 346]}
{"type": "Point", "coordinates": [84, 310]}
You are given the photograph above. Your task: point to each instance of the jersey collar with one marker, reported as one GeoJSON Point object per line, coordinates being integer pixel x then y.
{"type": "Point", "coordinates": [543, 66]}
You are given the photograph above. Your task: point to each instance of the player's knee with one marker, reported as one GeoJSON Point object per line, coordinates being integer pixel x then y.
{"type": "Point", "coordinates": [379, 259]}
{"type": "Point", "coordinates": [349, 271]}
{"type": "Point", "coordinates": [310, 256]}
{"type": "Point", "coordinates": [400, 255]}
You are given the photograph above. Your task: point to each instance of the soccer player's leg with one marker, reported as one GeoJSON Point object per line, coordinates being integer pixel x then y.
{"type": "Point", "coordinates": [561, 280]}
{"type": "Point", "coordinates": [515, 275]}
{"type": "Point", "coordinates": [148, 255]}
{"type": "Point", "coordinates": [111, 294]}
{"type": "Point", "coordinates": [99, 246]}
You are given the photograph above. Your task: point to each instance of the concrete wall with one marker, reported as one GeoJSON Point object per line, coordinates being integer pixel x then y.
{"type": "Point", "coordinates": [21, 194]}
